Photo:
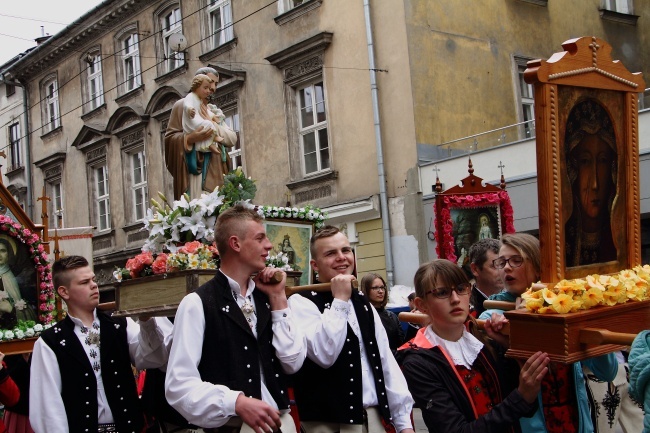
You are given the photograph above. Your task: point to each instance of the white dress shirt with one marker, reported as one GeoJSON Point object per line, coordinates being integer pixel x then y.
{"type": "Point", "coordinates": [462, 352]}
{"type": "Point", "coordinates": [325, 335]}
{"type": "Point", "coordinates": [203, 403]}
{"type": "Point", "coordinates": [46, 409]}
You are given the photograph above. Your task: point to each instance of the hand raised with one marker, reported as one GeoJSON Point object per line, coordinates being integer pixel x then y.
{"type": "Point", "coordinates": [257, 414]}
{"type": "Point", "coordinates": [494, 326]}
{"type": "Point", "coordinates": [264, 280]}
{"type": "Point", "coordinates": [341, 286]}
{"type": "Point", "coordinates": [531, 375]}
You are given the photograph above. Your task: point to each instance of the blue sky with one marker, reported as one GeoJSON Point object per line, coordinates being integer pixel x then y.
{"type": "Point", "coordinates": [21, 21]}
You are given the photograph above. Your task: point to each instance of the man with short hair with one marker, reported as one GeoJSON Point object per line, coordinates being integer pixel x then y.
{"type": "Point", "coordinates": [350, 381]}
{"type": "Point", "coordinates": [234, 338]}
{"type": "Point", "coordinates": [81, 375]}
{"type": "Point", "coordinates": [486, 276]}
{"type": "Point", "coordinates": [194, 171]}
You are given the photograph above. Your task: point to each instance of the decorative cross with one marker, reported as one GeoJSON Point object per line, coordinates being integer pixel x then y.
{"type": "Point", "coordinates": [503, 179]}
{"type": "Point", "coordinates": [44, 216]}
{"type": "Point", "coordinates": [594, 48]}
{"type": "Point", "coordinates": [438, 186]}
{"type": "Point", "coordinates": [55, 238]}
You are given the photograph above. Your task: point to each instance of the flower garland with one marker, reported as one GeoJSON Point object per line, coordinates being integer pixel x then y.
{"type": "Point", "coordinates": [280, 261]}
{"type": "Point", "coordinates": [569, 296]}
{"type": "Point", "coordinates": [445, 240]}
{"type": "Point", "coordinates": [38, 256]}
{"type": "Point", "coordinates": [308, 213]}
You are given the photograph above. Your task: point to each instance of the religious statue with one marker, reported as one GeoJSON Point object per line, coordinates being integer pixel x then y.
{"type": "Point", "coordinates": [194, 166]}
{"type": "Point", "coordinates": [590, 146]}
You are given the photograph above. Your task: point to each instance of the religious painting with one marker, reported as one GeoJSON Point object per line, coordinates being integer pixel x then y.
{"type": "Point", "coordinates": [470, 224]}
{"type": "Point", "coordinates": [17, 283]}
{"type": "Point", "coordinates": [292, 239]}
{"type": "Point", "coordinates": [591, 157]}
{"type": "Point", "coordinates": [470, 212]}
{"type": "Point", "coordinates": [592, 192]}
{"type": "Point", "coordinates": [586, 111]}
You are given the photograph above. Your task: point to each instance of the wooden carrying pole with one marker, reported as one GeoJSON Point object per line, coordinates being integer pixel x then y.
{"type": "Point", "coordinates": [587, 335]}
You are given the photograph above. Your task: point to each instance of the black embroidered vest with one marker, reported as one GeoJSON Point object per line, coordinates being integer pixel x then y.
{"type": "Point", "coordinates": [335, 394]}
{"type": "Point", "coordinates": [231, 355]}
{"type": "Point", "coordinates": [78, 378]}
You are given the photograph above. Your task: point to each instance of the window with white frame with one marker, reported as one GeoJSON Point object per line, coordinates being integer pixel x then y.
{"type": "Point", "coordinates": [313, 128]}
{"type": "Point", "coordinates": [14, 146]}
{"type": "Point", "coordinates": [95, 82]}
{"type": "Point", "coordinates": [51, 113]}
{"type": "Point", "coordinates": [220, 22]}
{"type": "Point", "coordinates": [56, 195]}
{"type": "Point", "coordinates": [525, 99]}
{"type": "Point", "coordinates": [232, 120]}
{"type": "Point", "coordinates": [139, 184]}
{"type": "Point", "coordinates": [103, 209]}
{"type": "Point", "coordinates": [527, 104]}
{"type": "Point", "coordinates": [620, 6]}
{"type": "Point", "coordinates": [170, 23]}
{"type": "Point", "coordinates": [131, 78]}
{"type": "Point", "coordinates": [287, 5]}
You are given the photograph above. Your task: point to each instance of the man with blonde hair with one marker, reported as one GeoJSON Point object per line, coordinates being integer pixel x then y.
{"type": "Point", "coordinates": [235, 338]}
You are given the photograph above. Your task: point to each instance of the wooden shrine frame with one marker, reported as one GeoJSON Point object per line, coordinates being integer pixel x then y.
{"type": "Point", "coordinates": [476, 198]}
{"type": "Point", "coordinates": [585, 78]}
{"type": "Point", "coordinates": [31, 250]}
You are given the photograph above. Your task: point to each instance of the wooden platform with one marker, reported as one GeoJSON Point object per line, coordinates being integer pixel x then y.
{"type": "Point", "coordinates": [158, 295]}
{"type": "Point", "coordinates": [560, 334]}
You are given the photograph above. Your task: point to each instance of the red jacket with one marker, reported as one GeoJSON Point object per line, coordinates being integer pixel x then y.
{"type": "Point", "coordinates": [9, 393]}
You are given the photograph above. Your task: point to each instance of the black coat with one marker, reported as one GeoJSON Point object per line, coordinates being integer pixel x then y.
{"type": "Point", "coordinates": [393, 328]}
{"type": "Point", "coordinates": [443, 398]}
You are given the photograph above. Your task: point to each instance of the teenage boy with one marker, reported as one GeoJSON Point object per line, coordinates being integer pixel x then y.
{"type": "Point", "coordinates": [350, 381]}
{"type": "Point", "coordinates": [235, 338]}
{"type": "Point", "coordinates": [81, 375]}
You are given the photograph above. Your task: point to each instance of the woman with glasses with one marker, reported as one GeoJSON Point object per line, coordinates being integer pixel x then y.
{"type": "Point", "coordinates": [453, 376]}
{"type": "Point", "coordinates": [563, 404]}
{"type": "Point", "coordinates": [374, 287]}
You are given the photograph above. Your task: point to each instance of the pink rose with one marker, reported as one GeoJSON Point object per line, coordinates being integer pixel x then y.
{"type": "Point", "coordinates": [191, 247]}
{"type": "Point", "coordinates": [43, 297]}
{"type": "Point", "coordinates": [146, 258]}
{"type": "Point", "coordinates": [159, 265]}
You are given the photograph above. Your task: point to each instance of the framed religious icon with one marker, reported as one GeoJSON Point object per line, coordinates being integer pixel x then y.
{"type": "Point", "coordinates": [27, 303]}
{"type": "Point", "coordinates": [587, 161]}
{"type": "Point", "coordinates": [290, 241]}
{"type": "Point", "coordinates": [468, 213]}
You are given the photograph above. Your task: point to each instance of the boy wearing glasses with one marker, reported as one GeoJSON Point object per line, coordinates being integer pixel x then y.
{"type": "Point", "coordinates": [350, 381]}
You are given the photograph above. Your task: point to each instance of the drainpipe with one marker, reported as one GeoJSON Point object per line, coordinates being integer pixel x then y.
{"type": "Point", "coordinates": [383, 200]}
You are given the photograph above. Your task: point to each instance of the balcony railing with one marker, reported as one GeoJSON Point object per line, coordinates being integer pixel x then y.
{"type": "Point", "coordinates": [497, 137]}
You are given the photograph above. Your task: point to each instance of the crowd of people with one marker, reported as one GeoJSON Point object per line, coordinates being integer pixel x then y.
{"type": "Point", "coordinates": [242, 357]}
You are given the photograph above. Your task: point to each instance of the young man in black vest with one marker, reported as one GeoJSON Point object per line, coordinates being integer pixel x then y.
{"type": "Point", "coordinates": [487, 280]}
{"type": "Point", "coordinates": [81, 376]}
{"type": "Point", "coordinates": [234, 338]}
{"type": "Point", "coordinates": [350, 381]}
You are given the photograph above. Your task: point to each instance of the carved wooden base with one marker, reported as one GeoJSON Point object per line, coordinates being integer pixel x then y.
{"type": "Point", "coordinates": [560, 334]}
{"type": "Point", "coordinates": [158, 295]}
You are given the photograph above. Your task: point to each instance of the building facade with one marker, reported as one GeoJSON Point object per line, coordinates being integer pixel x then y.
{"type": "Point", "coordinates": [336, 104]}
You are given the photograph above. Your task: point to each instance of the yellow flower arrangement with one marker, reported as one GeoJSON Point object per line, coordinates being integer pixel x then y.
{"type": "Point", "coordinates": [570, 296]}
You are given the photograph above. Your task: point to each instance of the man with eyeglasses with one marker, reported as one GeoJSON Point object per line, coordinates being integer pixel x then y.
{"type": "Point", "coordinates": [350, 381]}
{"type": "Point", "coordinates": [487, 280]}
